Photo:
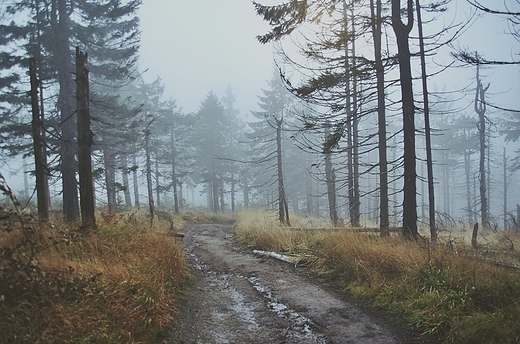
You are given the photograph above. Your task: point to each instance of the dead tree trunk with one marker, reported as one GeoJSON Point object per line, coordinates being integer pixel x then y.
{"type": "Point", "coordinates": [283, 209]}
{"type": "Point", "coordinates": [126, 185]}
{"type": "Point", "coordinates": [427, 130]}
{"type": "Point", "coordinates": [384, 222]}
{"type": "Point", "coordinates": [467, 172]}
{"type": "Point", "coordinates": [85, 141]}
{"type": "Point", "coordinates": [174, 173]}
{"type": "Point", "coordinates": [157, 178]}
{"type": "Point", "coordinates": [402, 32]}
{"type": "Point", "coordinates": [65, 104]}
{"type": "Point", "coordinates": [356, 205]}
{"type": "Point", "coordinates": [38, 143]}
{"type": "Point", "coordinates": [135, 181]}
{"type": "Point", "coordinates": [149, 184]}
{"type": "Point", "coordinates": [505, 189]}
{"type": "Point", "coordinates": [110, 179]}
{"type": "Point", "coordinates": [331, 181]}
{"type": "Point", "coordinates": [480, 109]}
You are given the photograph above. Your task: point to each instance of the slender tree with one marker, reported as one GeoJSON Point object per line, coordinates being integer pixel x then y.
{"type": "Point", "coordinates": [480, 109]}
{"type": "Point", "coordinates": [40, 165]}
{"type": "Point", "coordinates": [402, 32]}
{"type": "Point", "coordinates": [427, 129]}
{"type": "Point", "coordinates": [85, 141]}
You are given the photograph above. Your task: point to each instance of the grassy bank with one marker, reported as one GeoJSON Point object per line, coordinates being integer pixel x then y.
{"type": "Point", "coordinates": [455, 298]}
{"type": "Point", "coordinates": [116, 285]}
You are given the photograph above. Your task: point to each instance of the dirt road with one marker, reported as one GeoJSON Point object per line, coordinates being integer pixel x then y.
{"type": "Point", "coordinates": [238, 297]}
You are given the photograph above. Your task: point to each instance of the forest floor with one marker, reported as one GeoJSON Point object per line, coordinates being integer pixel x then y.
{"type": "Point", "coordinates": [238, 297]}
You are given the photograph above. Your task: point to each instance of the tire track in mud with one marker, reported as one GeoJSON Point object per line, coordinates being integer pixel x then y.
{"type": "Point", "coordinates": [236, 297]}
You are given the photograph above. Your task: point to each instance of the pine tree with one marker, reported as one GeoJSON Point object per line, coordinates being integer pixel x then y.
{"type": "Point", "coordinates": [107, 30]}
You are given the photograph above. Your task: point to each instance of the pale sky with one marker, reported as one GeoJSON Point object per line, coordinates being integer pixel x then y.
{"type": "Point", "coordinates": [196, 46]}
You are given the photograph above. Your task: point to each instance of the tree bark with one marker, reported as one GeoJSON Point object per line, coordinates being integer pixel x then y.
{"type": "Point", "coordinates": [151, 205]}
{"type": "Point", "coordinates": [85, 142]}
{"type": "Point", "coordinates": [135, 181]}
{"type": "Point", "coordinates": [331, 181]}
{"type": "Point", "coordinates": [174, 174]}
{"type": "Point", "coordinates": [283, 210]}
{"type": "Point", "coordinates": [246, 189]}
{"type": "Point", "coordinates": [110, 179]}
{"type": "Point", "coordinates": [427, 129]}
{"type": "Point", "coordinates": [384, 223]}
{"type": "Point", "coordinates": [480, 109]}
{"type": "Point", "coordinates": [126, 184]}
{"type": "Point", "coordinates": [505, 188]}
{"type": "Point", "coordinates": [65, 105]}
{"type": "Point", "coordinates": [157, 179]}
{"type": "Point", "coordinates": [402, 33]}
{"type": "Point", "coordinates": [38, 143]}
{"type": "Point", "coordinates": [467, 172]}
{"type": "Point", "coordinates": [356, 206]}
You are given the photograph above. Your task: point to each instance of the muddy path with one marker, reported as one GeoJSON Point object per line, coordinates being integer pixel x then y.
{"type": "Point", "coordinates": [238, 297]}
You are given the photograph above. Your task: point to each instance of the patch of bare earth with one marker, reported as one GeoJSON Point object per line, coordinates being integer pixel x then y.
{"type": "Point", "coordinates": [237, 297]}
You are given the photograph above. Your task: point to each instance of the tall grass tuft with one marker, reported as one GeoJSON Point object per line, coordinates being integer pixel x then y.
{"type": "Point", "coordinates": [116, 285]}
{"type": "Point", "coordinates": [442, 296]}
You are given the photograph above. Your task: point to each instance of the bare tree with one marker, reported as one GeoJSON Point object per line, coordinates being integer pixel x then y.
{"type": "Point", "coordinates": [402, 33]}
{"type": "Point", "coordinates": [41, 180]}
{"type": "Point", "coordinates": [480, 109]}
{"type": "Point", "coordinates": [85, 141]}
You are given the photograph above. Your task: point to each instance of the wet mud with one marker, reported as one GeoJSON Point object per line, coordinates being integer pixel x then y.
{"type": "Point", "coordinates": [238, 297]}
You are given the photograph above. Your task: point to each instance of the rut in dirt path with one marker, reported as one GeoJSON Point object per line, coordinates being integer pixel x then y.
{"type": "Point", "coordinates": [237, 297]}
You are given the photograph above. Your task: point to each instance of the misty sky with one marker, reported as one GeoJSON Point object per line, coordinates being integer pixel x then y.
{"type": "Point", "coordinates": [200, 45]}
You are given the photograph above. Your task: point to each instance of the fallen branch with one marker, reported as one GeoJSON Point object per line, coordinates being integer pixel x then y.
{"type": "Point", "coordinates": [284, 258]}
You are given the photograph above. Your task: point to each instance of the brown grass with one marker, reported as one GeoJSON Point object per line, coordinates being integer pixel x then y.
{"type": "Point", "coordinates": [116, 285]}
{"type": "Point", "coordinates": [452, 298]}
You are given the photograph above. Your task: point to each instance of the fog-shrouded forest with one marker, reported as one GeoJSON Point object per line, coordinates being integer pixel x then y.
{"type": "Point", "coordinates": [382, 114]}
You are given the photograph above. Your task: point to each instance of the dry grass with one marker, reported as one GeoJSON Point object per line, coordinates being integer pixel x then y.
{"type": "Point", "coordinates": [453, 298]}
{"type": "Point", "coordinates": [116, 285]}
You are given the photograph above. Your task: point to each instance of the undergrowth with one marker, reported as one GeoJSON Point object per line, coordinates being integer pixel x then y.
{"type": "Point", "coordinates": [115, 285]}
{"type": "Point", "coordinates": [443, 296]}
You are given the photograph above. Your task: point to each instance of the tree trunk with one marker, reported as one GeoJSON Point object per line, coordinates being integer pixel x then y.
{"type": "Point", "coordinates": [149, 184]}
{"type": "Point", "coordinates": [384, 222]}
{"type": "Point", "coordinates": [38, 64]}
{"type": "Point", "coordinates": [356, 205]}
{"type": "Point", "coordinates": [157, 179]}
{"type": "Point", "coordinates": [135, 181]}
{"type": "Point", "coordinates": [427, 129]}
{"type": "Point", "coordinates": [232, 192]}
{"type": "Point", "coordinates": [85, 141]}
{"type": "Point", "coordinates": [221, 194]}
{"type": "Point", "coordinates": [402, 32]}
{"type": "Point", "coordinates": [308, 191]}
{"type": "Point", "coordinates": [38, 144]}
{"type": "Point", "coordinates": [331, 181]}
{"type": "Point", "coordinates": [126, 184]}
{"type": "Point", "coordinates": [283, 211]}
{"type": "Point", "coordinates": [505, 189]}
{"type": "Point", "coordinates": [214, 191]}
{"type": "Point", "coordinates": [467, 172]}
{"type": "Point", "coordinates": [66, 109]}
{"type": "Point", "coordinates": [446, 181]}
{"type": "Point", "coordinates": [174, 174]}
{"type": "Point", "coordinates": [110, 179]}
{"type": "Point", "coordinates": [480, 109]}
{"type": "Point", "coordinates": [246, 189]}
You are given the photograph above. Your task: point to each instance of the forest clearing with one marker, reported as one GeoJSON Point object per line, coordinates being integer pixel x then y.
{"type": "Point", "coordinates": [129, 283]}
{"type": "Point", "coordinates": [364, 193]}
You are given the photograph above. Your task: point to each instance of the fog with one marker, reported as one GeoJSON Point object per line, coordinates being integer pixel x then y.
{"type": "Point", "coordinates": [201, 47]}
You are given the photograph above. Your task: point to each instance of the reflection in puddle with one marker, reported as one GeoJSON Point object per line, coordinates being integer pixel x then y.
{"type": "Point", "coordinates": [301, 326]}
